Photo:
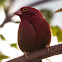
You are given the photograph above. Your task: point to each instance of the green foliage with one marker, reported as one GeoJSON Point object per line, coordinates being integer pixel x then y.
{"type": "Point", "coordinates": [2, 2]}
{"type": "Point", "coordinates": [57, 32]}
{"type": "Point", "coordinates": [59, 36]}
{"type": "Point", "coordinates": [14, 45]}
{"type": "Point", "coordinates": [2, 37]}
{"type": "Point", "coordinates": [59, 10]}
{"type": "Point", "coordinates": [2, 56]}
{"type": "Point", "coordinates": [47, 14]}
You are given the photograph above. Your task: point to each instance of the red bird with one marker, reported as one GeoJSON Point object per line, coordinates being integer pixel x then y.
{"type": "Point", "coordinates": [34, 31]}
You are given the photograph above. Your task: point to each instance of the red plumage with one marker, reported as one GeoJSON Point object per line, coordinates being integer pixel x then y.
{"type": "Point", "coordinates": [34, 31]}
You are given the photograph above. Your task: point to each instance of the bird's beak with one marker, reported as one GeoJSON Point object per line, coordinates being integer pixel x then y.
{"type": "Point", "coordinates": [18, 12]}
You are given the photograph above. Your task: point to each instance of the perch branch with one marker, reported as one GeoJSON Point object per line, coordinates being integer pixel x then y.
{"type": "Point", "coordinates": [43, 53]}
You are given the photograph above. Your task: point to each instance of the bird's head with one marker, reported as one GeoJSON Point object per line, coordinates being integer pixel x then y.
{"type": "Point", "coordinates": [26, 12]}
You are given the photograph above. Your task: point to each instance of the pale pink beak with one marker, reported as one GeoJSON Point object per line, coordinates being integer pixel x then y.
{"type": "Point", "coordinates": [18, 12]}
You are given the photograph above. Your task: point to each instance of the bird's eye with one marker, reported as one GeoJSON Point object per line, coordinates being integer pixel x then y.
{"type": "Point", "coordinates": [25, 9]}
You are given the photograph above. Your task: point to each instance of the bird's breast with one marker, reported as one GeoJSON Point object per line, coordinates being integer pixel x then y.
{"type": "Point", "coordinates": [33, 34]}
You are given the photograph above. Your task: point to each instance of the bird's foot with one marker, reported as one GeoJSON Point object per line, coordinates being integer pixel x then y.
{"type": "Point", "coordinates": [25, 53]}
{"type": "Point", "coordinates": [48, 47]}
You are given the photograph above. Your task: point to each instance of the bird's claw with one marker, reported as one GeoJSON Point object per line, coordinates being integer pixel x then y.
{"type": "Point", "coordinates": [47, 47]}
{"type": "Point", "coordinates": [25, 53]}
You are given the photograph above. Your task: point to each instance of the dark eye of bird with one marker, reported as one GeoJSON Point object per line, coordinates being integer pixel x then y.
{"type": "Point", "coordinates": [25, 9]}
